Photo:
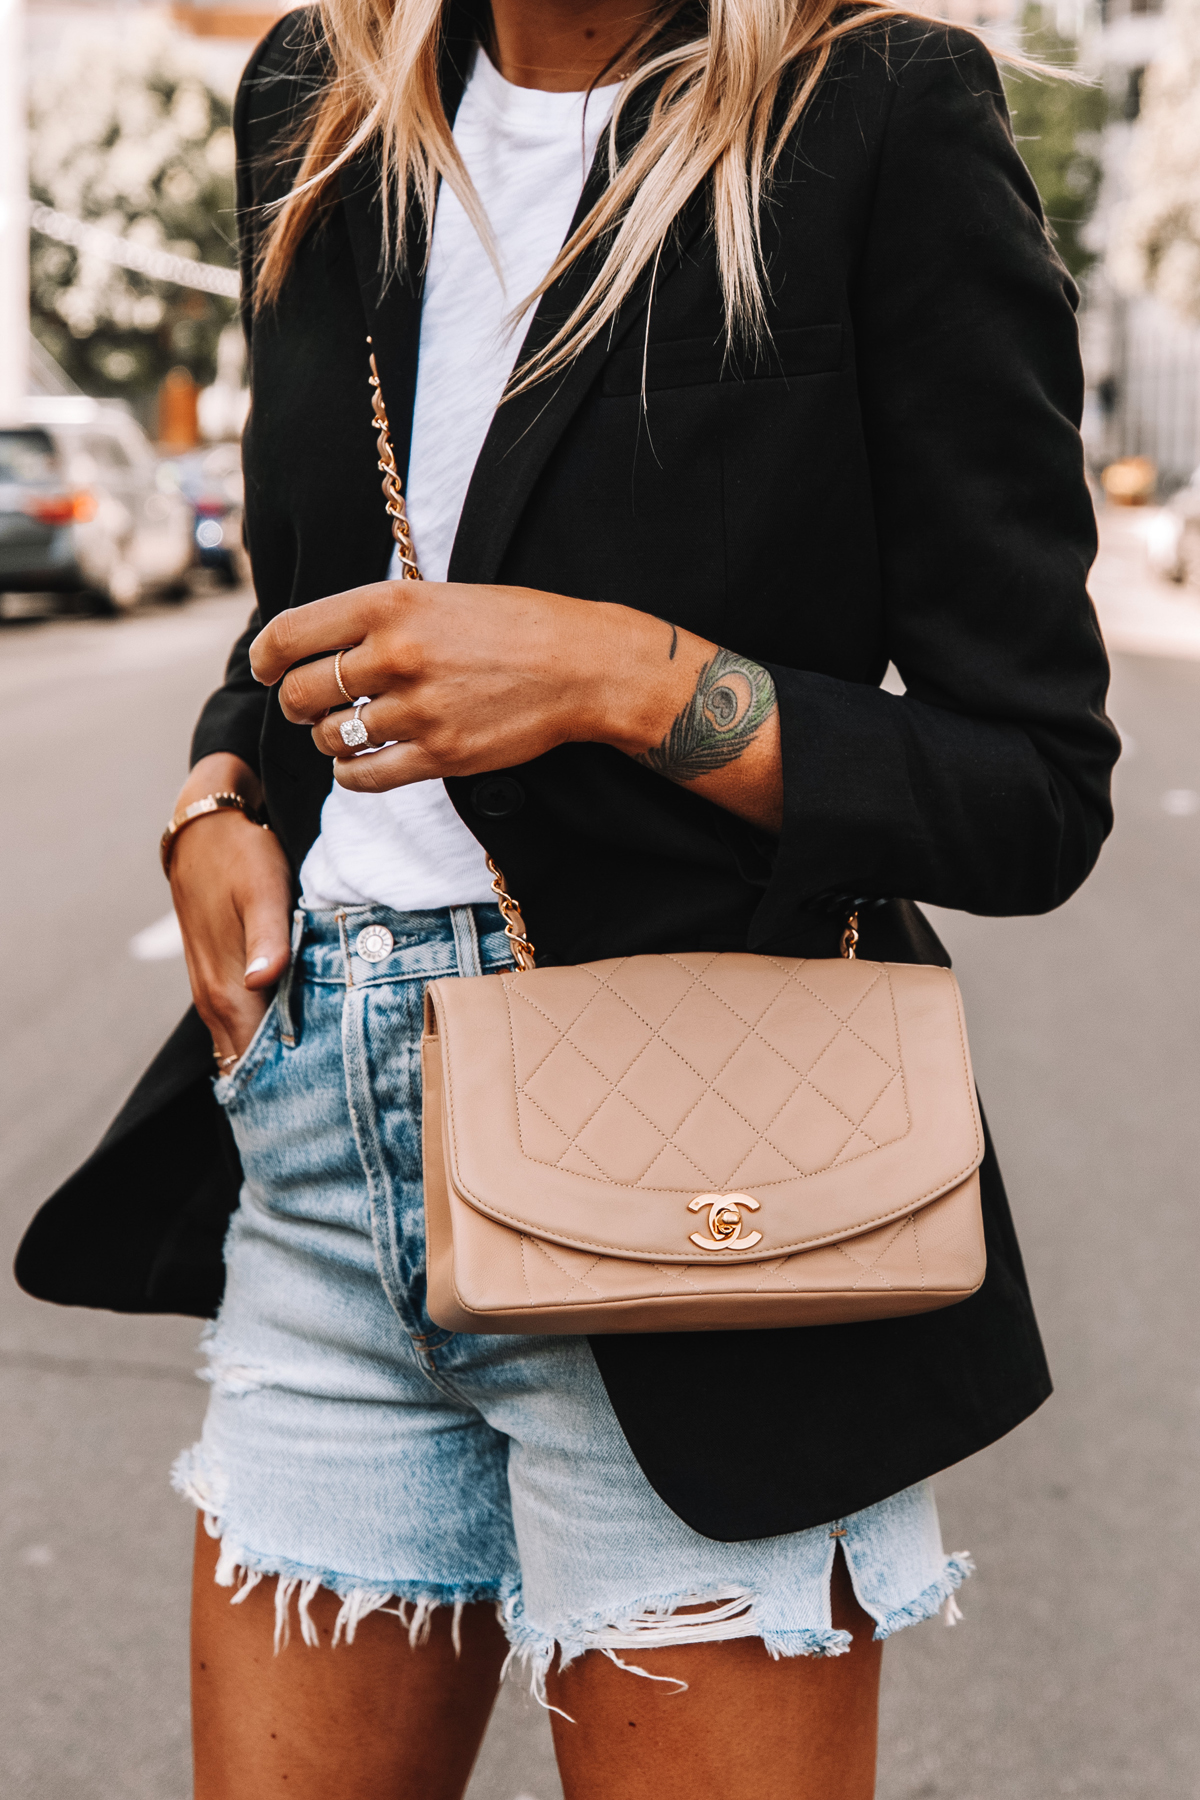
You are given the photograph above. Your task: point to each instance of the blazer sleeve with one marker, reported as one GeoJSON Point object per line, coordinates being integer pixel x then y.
{"type": "Point", "coordinates": [232, 718]}
{"type": "Point", "coordinates": [985, 787]}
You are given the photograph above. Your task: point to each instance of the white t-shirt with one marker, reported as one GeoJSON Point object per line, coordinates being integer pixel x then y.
{"type": "Point", "coordinates": [528, 154]}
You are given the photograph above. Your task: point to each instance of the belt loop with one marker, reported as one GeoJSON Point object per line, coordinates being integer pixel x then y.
{"type": "Point", "coordinates": [340, 916]}
{"type": "Point", "coordinates": [466, 940]}
{"type": "Point", "coordinates": [287, 1025]}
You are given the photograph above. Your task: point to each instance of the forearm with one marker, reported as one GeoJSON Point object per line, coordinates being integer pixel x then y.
{"type": "Point", "coordinates": [465, 679]}
{"type": "Point", "coordinates": [697, 714]}
{"type": "Point", "coordinates": [220, 773]}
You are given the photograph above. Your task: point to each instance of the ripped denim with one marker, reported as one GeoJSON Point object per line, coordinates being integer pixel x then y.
{"type": "Point", "coordinates": [353, 1444]}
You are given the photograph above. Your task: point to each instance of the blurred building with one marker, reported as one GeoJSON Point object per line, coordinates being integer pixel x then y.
{"type": "Point", "coordinates": [1142, 360]}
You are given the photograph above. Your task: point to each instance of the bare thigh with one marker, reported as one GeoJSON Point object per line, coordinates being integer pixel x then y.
{"type": "Point", "coordinates": [372, 1720]}
{"type": "Point", "coordinates": [378, 1720]}
{"type": "Point", "coordinates": [747, 1728]}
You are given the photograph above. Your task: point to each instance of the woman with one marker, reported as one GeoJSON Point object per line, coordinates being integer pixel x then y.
{"type": "Point", "coordinates": [799, 394]}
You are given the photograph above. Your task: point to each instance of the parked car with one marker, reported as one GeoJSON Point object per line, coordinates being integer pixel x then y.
{"type": "Point", "coordinates": [211, 481]}
{"type": "Point", "coordinates": [83, 508]}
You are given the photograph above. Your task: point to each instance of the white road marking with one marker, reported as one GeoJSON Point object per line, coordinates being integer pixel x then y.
{"type": "Point", "coordinates": [158, 942]}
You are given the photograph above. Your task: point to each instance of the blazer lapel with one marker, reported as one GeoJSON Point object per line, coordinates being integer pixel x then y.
{"type": "Point", "coordinates": [392, 299]}
{"type": "Point", "coordinates": [526, 429]}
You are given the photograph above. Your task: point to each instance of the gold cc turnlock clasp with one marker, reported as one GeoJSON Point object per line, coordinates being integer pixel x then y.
{"type": "Point", "coordinates": [724, 1222]}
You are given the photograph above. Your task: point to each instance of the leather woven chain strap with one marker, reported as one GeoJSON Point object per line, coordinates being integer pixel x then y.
{"type": "Point", "coordinates": [393, 493]}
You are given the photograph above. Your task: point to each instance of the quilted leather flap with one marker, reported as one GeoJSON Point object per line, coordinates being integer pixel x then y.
{"type": "Point", "coordinates": [745, 1105]}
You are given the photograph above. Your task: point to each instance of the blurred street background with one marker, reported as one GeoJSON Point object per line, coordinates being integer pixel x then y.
{"type": "Point", "coordinates": [122, 584]}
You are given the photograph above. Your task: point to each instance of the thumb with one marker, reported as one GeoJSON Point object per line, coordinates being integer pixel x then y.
{"type": "Point", "coordinates": [267, 943]}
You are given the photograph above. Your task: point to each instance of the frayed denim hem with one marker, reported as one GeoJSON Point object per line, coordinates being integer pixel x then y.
{"type": "Point", "coordinates": [653, 1623]}
{"type": "Point", "coordinates": [938, 1594]}
{"type": "Point", "coordinates": [657, 1623]}
{"type": "Point", "coordinates": [806, 1643]}
{"type": "Point", "coordinates": [243, 1569]}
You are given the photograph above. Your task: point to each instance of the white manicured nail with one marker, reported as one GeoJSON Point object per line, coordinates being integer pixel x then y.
{"type": "Point", "coordinates": [260, 962]}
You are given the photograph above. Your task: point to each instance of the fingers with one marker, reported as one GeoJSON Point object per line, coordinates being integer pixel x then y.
{"type": "Point", "coordinates": [319, 629]}
{"type": "Point", "coordinates": [231, 1012]}
{"type": "Point", "coordinates": [232, 892]}
{"type": "Point", "coordinates": [306, 694]}
{"type": "Point", "coordinates": [232, 1034]}
{"type": "Point", "coordinates": [385, 769]}
{"type": "Point", "coordinates": [386, 720]}
{"type": "Point", "coordinates": [233, 1031]}
{"type": "Point", "coordinates": [267, 941]}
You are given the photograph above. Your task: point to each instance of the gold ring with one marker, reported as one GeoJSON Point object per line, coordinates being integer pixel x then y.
{"type": "Point", "coordinates": [224, 1062]}
{"type": "Point", "coordinates": [347, 696]}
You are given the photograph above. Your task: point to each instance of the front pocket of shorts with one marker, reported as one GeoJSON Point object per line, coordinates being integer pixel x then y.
{"type": "Point", "coordinates": [230, 1088]}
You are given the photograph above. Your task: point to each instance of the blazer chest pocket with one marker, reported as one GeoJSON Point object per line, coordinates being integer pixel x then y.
{"type": "Point", "coordinates": [694, 362]}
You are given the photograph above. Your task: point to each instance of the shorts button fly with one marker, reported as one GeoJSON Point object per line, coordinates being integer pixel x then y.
{"type": "Point", "coordinates": [373, 943]}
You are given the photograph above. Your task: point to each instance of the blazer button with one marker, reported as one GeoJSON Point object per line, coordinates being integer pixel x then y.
{"type": "Point", "coordinates": [497, 796]}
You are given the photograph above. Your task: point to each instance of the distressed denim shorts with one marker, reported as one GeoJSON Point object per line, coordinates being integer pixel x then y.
{"type": "Point", "coordinates": [352, 1443]}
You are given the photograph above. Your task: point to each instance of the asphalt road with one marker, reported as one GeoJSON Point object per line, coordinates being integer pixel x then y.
{"type": "Point", "coordinates": [1075, 1671]}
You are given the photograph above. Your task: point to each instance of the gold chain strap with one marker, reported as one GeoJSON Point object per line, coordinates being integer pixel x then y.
{"type": "Point", "coordinates": [393, 490]}
{"type": "Point", "coordinates": [850, 938]}
{"type": "Point", "coordinates": [393, 493]}
{"type": "Point", "coordinates": [514, 924]}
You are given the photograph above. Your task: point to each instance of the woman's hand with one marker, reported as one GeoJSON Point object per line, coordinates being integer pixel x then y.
{"type": "Point", "coordinates": [232, 892]}
{"type": "Point", "coordinates": [464, 679]}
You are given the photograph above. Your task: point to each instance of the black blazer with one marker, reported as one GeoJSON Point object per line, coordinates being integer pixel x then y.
{"type": "Point", "coordinates": [897, 474]}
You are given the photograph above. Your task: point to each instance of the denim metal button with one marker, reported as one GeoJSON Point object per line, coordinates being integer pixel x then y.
{"type": "Point", "coordinates": [497, 796]}
{"type": "Point", "coordinates": [373, 943]}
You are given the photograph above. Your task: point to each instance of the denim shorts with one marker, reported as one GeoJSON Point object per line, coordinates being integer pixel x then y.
{"type": "Point", "coordinates": [352, 1443]}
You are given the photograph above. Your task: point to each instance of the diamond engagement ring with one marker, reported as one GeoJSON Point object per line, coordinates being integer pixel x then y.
{"type": "Point", "coordinates": [354, 732]}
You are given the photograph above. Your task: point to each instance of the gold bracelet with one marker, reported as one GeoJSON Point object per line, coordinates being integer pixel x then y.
{"type": "Point", "coordinates": [200, 809]}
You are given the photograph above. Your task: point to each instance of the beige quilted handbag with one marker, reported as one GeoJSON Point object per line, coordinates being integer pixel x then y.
{"type": "Point", "coordinates": [707, 1140]}
{"type": "Point", "coordinates": [701, 1141]}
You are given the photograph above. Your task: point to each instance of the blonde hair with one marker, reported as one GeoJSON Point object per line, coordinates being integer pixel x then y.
{"type": "Point", "coordinates": [723, 113]}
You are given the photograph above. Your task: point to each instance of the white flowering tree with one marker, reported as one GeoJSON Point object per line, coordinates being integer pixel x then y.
{"type": "Point", "coordinates": [129, 137]}
{"type": "Point", "coordinates": [1156, 237]}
